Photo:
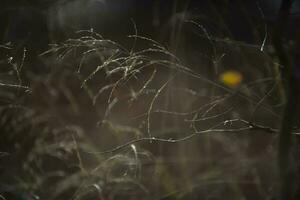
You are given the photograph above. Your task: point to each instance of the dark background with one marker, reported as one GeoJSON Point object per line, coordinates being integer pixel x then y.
{"type": "Point", "coordinates": [37, 23]}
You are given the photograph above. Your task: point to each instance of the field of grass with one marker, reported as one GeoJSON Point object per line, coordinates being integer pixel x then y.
{"type": "Point", "coordinates": [195, 119]}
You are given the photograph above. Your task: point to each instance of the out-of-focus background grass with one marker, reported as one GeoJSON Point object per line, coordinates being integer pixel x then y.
{"type": "Point", "coordinates": [139, 99]}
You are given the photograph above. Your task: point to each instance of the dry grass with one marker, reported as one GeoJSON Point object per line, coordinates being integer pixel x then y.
{"type": "Point", "coordinates": [111, 122]}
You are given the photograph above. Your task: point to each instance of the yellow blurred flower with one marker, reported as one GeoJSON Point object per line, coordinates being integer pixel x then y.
{"type": "Point", "coordinates": [231, 78]}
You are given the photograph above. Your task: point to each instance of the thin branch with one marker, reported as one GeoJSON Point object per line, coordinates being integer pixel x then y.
{"type": "Point", "coordinates": [2, 197]}
{"type": "Point", "coordinates": [152, 103]}
{"type": "Point", "coordinates": [260, 102]}
{"type": "Point", "coordinates": [250, 126]}
{"type": "Point", "coordinates": [80, 162]}
{"type": "Point", "coordinates": [15, 86]}
{"type": "Point", "coordinates": [266, 28]}
{"type": "Point", "coordinates": [210, 117]}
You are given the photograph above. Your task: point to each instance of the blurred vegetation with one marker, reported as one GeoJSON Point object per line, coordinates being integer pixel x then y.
{"type": "Point", "coordinates": [184, 105]}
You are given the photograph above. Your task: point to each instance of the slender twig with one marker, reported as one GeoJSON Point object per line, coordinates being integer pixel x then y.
{"type": "Point", "coordinates": [2, 197]}
{"type": "Point", "coordinates": [15, 86]}
{"type": "Point", "coordinates": [151, 106]}
{"type": "Point", "coordinates": [250, 126]}
{"type": "Point", "coordinates": [266, 28]}
{"type": "Point", "coordinates": [81, 166]}
{"type": "Point", "coordinates": [259, 103]}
